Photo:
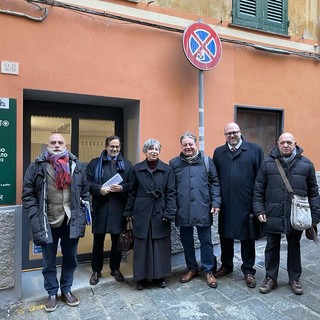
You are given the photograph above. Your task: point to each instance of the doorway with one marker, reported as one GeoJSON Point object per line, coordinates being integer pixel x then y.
{"type": "Point", "coordinates": [85, 128]}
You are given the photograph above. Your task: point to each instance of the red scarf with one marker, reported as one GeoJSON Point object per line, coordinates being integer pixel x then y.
{"type": "Point", "coordinates": [60, 164]}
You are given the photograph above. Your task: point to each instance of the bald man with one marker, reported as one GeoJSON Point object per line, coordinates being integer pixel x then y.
{"type": "Point", "coordinates": [54, 191]}
{"type": "Point", "coordinates": [272, 206]}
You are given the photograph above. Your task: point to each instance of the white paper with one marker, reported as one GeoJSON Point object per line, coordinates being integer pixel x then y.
{"type": "Point", "coordinates": [116, 179]}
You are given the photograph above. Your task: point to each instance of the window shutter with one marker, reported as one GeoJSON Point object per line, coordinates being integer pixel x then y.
{"type": "Point", "coordinates": [268, 15]}
{"type": "Point", "coordinates": [247, 13]}
{"type": "Point", "coordinates": [275, 16]}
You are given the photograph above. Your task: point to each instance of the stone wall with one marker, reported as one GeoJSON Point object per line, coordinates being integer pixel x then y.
{"type": "Point", "coordinates": [10, 253]}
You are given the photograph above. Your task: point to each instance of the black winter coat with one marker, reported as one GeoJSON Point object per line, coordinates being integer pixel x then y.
{"type": "Point", "coordinates": [34, 191]}
{"type": "Point", "coordinates": [271, 196]}
{"type": "Point", "coordinates": [237, 173]}
{"type": "Point", "coordinates": [197, 192]}
{"type": "Point", "coordinates": [107, 213]}
{"type": "Point", "coordinates": [152, 198]}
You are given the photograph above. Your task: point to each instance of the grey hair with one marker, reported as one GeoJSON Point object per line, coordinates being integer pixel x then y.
{"type": "Point", "coordinates": [151, 143]}
{"type": "Point", "coordinates": [188, 135]}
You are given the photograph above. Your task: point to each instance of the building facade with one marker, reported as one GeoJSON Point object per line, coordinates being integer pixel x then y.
{"type": "Point", "coordinates": [90, 68]}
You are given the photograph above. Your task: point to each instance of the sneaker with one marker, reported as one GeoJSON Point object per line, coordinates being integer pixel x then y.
{"type": "Point", "coordinates": [267, 285]}
{"type": "Point", "coordinates": [70, 299]}
{"type": "Point", "coordinates": [51, 303]}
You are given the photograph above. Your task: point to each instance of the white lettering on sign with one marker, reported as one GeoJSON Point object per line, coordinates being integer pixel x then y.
{"type": "Point", "coordinates": [10, 67]}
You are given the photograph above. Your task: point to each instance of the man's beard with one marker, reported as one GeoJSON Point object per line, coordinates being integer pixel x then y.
{"type": "Point", "coordinates": [55, 151]}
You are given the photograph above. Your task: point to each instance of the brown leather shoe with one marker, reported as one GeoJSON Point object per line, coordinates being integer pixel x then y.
{"type": "Point", "coordinates": [51, 303]}
{"type": "Point", "coordinates": [296, 287]}
{"type": "Point", "coordinates": [267, 285]}
{"type": "Point", "coordinates": [211, 280]}
{"type": "Point", "coordinates": [222, 271]}
{"type": "Point", "coordinates": [95, 278]}
{"type": "Point", "coordinates": [250, 280]}
{"type": "Point", "coordinates": [70, 299]}
{"type": "Point", "coordinates": [188, 276]}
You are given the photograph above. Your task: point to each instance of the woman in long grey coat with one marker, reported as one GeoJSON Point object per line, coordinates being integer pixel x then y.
{"type": "Point", "coordinates": [151, 205]}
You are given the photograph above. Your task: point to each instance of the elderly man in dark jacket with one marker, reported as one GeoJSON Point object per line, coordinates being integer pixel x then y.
{"type": "Point", "coordinates": [237, 163]}
{"type": "Point", "coordinates": [198, 198]}
{"type": "Point", "coordinates": [54, 192]}
{"type": "Point", "coordinates": [272, 205]}
{"type": "Point", "coordinates": [108, 203]}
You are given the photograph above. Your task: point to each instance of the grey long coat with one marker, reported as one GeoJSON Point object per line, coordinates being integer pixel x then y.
{"type": "Point", "coordinates": [272, 198]}
{"type": "Point", "coordinates": [237, 173]}
{"type": "Point", "coordinates": [152, 197]}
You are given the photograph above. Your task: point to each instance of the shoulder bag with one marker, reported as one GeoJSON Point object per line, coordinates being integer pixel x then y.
{"type": "Point", "coordinates": [300, 216]}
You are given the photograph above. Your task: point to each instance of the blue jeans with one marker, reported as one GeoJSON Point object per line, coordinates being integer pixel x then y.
{"type": "Point", "coordinates": [69, 260]}
{"type": "Point", "coordinates": [208, 260]}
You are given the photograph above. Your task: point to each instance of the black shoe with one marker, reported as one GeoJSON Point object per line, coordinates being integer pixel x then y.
{"type": "Point", "coordinates": [95, 278]}
{"type": "Point", "coordinates": [51, 303]}
{"type": "Point", "coordinates": [117, 275]}
{"type": "Point", "coordinates": [141, 284]}
{"type": "Point", "coordinates": [70, 299]}
{"type": "Point", "coordinates": [159, 282]}
{"type": "Point", "coordinates": [267, 285]}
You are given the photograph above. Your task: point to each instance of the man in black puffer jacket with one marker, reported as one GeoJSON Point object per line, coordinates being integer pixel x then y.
{"type": "Point", "coordinates": [272, 205]}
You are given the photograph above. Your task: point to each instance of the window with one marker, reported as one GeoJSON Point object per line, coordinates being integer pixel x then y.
{"type": "Point", "coordinates": [266, 15]}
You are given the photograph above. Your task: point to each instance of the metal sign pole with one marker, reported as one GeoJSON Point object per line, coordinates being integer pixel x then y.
{"type": "Point", "coordinates": [201, 113]}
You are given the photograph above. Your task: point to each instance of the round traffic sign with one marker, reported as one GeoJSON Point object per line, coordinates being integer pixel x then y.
{"type": "Point", "coordinates": [202, 46]}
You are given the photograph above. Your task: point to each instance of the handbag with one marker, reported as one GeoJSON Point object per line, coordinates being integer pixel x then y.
{"type": "Point", "coordinates": [125, 241]}
{"type": "Point", "coordinates": [300, 217]}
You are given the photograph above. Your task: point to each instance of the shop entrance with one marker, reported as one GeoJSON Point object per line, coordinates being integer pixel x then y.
{"type": "Point", "coordinates": [85, 128]}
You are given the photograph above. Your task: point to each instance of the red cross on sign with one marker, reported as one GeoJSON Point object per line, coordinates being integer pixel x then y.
{"type": "Point", "coordinates": [202, 46]}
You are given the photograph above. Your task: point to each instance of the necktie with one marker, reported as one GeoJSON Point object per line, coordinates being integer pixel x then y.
{"type": "Point", "coordinates": [233, 149]}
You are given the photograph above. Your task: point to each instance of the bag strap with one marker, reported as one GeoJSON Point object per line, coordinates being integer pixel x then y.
{"type": "Point", "coordinates": [206, 163]}
{"type": "Point", "coordinates": [284, 177]}
{"type": "Point", "coordinates": [129, 225]}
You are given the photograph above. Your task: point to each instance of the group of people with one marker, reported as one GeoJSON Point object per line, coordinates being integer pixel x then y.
{"type": "Point", "coordinates": [235, 184]}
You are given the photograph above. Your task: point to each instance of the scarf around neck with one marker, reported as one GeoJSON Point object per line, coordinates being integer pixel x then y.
{"type": "Point", "coordinates": [98, 173]}
{"type": "Point", "coordinates": [60, 164]}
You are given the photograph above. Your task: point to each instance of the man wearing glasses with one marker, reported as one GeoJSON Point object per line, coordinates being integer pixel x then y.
{"type": "Point", "coordinates": [108, 202]}
{"type": "Point", "coordinates": [237, 163]}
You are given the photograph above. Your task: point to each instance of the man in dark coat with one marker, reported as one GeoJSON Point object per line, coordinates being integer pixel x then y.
{"type": "Point", "coordinates": [54, 192]}
{"type": "Point", "coordinates": [272, 205]}
{"type": "Point", "coordinates": [108, 202]}
{"type": "Point", "coordinates": [237, 163]}
{"type": "Point", "coordinates": [198, 198]}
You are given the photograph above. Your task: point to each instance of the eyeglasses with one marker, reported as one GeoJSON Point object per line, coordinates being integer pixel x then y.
{"type": "Point", "coordinates": [229, 134]}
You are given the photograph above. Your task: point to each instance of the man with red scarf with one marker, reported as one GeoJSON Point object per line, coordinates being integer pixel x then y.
{"type": "Point", "coordinates": [55, 191]}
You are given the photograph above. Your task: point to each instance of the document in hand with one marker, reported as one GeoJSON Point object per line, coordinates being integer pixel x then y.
{"type": "Point", "coordinates": [116, 179]}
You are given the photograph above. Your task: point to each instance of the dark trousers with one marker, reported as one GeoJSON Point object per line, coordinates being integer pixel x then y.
{"type": "Point", "coordinates": [272, 256]}
{"type": "Point", "coordinates": [248, 255]}
{"type": "Point", "coordinates": [208, 259]}
{"type": "Point", "coordinates": [69, 260]}
{"type": "Point", "coordinates": [97, 253]}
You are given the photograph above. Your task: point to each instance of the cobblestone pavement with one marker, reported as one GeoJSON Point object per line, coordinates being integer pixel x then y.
{"type": "Point", "coordinates": [232, 299]}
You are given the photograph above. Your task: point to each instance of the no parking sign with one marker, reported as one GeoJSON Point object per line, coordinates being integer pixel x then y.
{"type": "Point", "coordinates": [202, 46]}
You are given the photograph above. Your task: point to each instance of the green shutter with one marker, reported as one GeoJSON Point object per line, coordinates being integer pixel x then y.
{"type": "Point", "coordinates": [268, 15]}
{"type": "Point", "coordinates": [275, 16]}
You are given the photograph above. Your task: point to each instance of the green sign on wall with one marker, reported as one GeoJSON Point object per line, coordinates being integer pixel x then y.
{"type": "Point", "coordinates": [8, 126]}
